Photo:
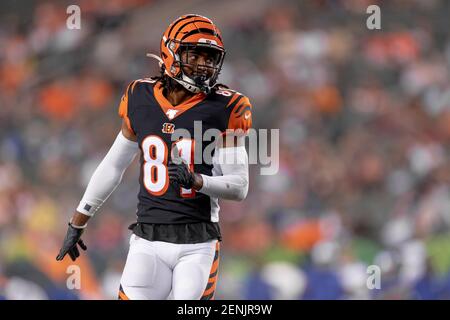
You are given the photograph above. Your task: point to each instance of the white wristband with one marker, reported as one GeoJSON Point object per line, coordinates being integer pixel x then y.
{"type": "Point", "coordinates": [77, 227]}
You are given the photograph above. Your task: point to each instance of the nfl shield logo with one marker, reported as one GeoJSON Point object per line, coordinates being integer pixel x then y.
{"type": "Point", "coordinates": [171, 113]}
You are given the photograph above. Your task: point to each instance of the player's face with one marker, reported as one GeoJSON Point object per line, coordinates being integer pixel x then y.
{"type": "Point", "coordinates": [199, 62]}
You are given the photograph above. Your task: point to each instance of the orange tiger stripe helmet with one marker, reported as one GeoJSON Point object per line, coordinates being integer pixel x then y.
{"type": "Point", "coordinates": [191, 31]}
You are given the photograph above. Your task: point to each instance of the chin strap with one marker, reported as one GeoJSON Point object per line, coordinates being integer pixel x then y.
{"type": "Point", "coordinates": [188, 83]}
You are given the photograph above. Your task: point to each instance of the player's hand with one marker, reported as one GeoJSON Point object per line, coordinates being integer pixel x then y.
{"type": "Point", "coordinates": [71, 241]}
{"type": "Point", "coordinates": [179, 172]}
{"type": "Point", "coordinates": [181, 175]}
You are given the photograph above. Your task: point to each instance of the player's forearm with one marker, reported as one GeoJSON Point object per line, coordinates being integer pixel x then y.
{"type": "Point", "coordinates": [228, 187]}
{"type": "Point", "coordinates": [108, 175]}
{"type": "Point", "coordinates": [233, 183]}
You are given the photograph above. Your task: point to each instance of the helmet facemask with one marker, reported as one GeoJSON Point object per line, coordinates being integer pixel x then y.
{"type": "Point", "coordinates": [202, 76]}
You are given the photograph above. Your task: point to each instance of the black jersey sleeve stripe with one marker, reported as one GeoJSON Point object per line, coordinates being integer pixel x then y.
{"type": "Point", "coordinates": [247, 108]}
{"type": "Point", "coordinates": [239, 108]}
{"type": "Point", "coordinates": [235, 102]}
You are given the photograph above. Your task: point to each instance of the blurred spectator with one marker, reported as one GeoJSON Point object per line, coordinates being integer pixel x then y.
{"type": "Point", "coordinates": [364, 120]}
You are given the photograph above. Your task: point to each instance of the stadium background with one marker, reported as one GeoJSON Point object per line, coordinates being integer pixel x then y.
{"type": "Point", "coordinates": [364, 167]}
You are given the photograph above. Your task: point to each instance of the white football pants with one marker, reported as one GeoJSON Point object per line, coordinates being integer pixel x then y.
{"type": "Point", "coordinates": [161, 270]}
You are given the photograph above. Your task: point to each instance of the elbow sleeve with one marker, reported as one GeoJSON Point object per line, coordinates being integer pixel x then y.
{"type": "Point", "coordinates": [108, 175]}
{"type": "Point", "coordinates": [234, 181]}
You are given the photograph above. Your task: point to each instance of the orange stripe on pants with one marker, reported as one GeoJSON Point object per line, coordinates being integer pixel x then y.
{"type": "Point", "coordinates": [122, 295]}
{"type": "Point", "coordinates": [210, 289]}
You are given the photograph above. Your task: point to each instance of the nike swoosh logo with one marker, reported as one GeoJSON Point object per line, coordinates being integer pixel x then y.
{"type": "Point", "coordinates": [247, 116]}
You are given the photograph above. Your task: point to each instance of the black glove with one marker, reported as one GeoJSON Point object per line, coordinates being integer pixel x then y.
{"type": "Point", "coordinates": [181, 175]}
{"type": "Point", "coordinates": [70, 243]}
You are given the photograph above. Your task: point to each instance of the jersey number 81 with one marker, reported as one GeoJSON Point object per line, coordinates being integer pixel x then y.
{"type": "Point", "coordinates": [155, 173]}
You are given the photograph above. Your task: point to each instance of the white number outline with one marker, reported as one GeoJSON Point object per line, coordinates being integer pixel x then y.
{"type": "Point", "coordinates": [153, 161]}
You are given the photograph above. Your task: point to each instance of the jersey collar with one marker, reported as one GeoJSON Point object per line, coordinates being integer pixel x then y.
{"type": "Point", "coordinates": [171, 111]}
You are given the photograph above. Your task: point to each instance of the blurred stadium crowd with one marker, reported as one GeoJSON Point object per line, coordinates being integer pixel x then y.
{"type": "Point", "coordinates": [364, 119]}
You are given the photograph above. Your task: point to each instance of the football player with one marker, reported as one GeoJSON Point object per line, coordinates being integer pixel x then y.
{"type": "Point", "coordinates": [174, 246]}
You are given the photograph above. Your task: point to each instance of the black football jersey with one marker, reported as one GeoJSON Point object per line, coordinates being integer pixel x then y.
{"type": "Point", "coordinates": [153, 119]}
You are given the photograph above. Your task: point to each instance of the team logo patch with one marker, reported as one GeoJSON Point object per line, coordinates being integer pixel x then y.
{"type": "Point", "coordinates": [168, 127]}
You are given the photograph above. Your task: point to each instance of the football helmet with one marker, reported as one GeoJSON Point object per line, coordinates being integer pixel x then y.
{"type": "Point", "coordinates": [192, 32]}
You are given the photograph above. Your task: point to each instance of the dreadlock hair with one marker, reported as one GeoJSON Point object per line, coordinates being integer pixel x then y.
{"type": "Point", "coordinates": [170, 84]}
{"type": "Point", "coordinates": [167, 82]}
